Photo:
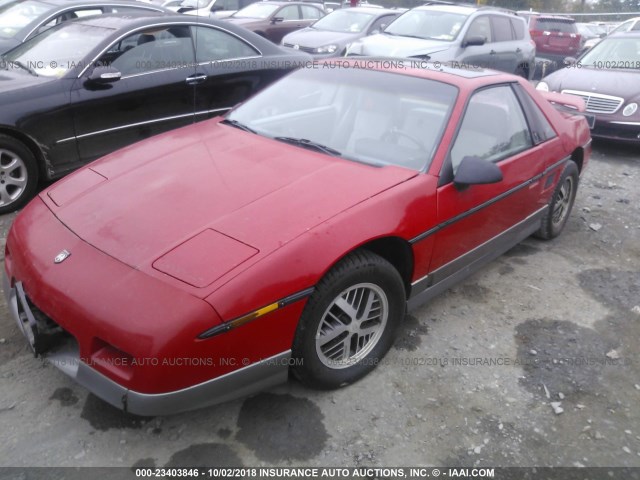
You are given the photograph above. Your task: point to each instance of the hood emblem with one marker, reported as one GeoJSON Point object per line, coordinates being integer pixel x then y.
{"type": "Point", "coordinates": [62, 256]}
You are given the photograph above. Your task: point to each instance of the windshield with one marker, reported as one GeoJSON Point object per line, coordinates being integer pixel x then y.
{"type": "Point", "coordinates": [14, 16]}
{"type": "Point", "coordinates": [346, 21]}
{"type": "Point", "coordinates": [427, 24]}
{"type": "Point", "coordinates": [256, 10]}
{"type": "Point", "coordinates": [58, 50]}
{"type": "Point", "coordinates": [621, 52]}
{"type": "Point", "coordinates": [373, 117]}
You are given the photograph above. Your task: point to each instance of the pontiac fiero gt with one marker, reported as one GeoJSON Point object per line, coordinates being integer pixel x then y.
{"type": "Point", "coordinates": [205, 263]}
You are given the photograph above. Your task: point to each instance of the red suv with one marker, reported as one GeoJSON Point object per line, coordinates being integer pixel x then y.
{"type": "Point", "coordinates": [556, 38]}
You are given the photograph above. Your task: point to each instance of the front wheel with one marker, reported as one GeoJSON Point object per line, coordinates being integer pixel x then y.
{"type": "Point", "coordinates": [560, 204]}
{"type": "Point", "coordinates": [349, 322]}
{"type": "Point", "coordinates": [18, 174]}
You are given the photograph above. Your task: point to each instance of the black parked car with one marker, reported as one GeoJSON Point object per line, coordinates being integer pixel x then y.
{"type": "Point", "coordinates": [23, 19]}
{"type": "Point", "coordinates": [89, 86]}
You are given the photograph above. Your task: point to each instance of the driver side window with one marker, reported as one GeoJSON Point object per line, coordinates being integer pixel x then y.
{"type": "Point", "coordinates": [289, 13]}
{"type": "Point", "coordinates": [480, 27]}
{"type": "Point", "coordinates": [151, 50]}
{"type": "Point", "coordinates": [493, 128]}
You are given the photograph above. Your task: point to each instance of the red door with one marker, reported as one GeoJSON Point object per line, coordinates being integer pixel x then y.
{"type": "Point", "coordinates": [476, 220]}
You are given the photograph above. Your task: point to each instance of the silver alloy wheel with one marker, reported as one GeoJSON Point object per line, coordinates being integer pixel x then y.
{"type": "Point", "coordinates": [562, 204]}
{"type": "Point", "coordinates": [352, 325]}
{"type": "Point", "coordinates": [13, 177]}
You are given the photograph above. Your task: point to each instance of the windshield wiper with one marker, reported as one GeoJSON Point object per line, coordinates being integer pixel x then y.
{"type": "Point", "coordinates": [415, 36]}
{"type": "Point", "coordinates": [305, 143]}
{"type": "Point", "coordinates": [237, 124]}
{"type": "Point", "coordinates": [24, 67]}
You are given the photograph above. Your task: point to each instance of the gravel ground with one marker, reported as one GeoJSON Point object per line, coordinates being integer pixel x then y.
{"type": "Point", "coordinates": [533, 361]}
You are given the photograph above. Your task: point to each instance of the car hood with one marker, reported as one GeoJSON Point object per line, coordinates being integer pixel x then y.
{"type": "Point", "coordinates": [619, 83]}
{"type": "Point", "coordinates": [7, 44]}
{"type": "Point", "coordinates": [14, 79]}
{"type": "Point", "coordinates": [213, 188]}
{"type": "Point", "coordinates": [385, 45]}
{"type": "Point", "coordinates": [312, 38]}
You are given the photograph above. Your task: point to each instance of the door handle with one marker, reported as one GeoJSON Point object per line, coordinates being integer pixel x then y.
{"type": "Point", "coordinates": [196, 79]}
{"type": "Point", "coordinates": [492, 52]}
{"type": "Point", "coordinates": [518, 50]}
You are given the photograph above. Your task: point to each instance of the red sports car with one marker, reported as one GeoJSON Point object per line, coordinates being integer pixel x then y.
{"type": "Point", "coordinates": [205, 263]}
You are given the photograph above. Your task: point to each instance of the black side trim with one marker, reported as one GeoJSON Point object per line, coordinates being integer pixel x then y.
{"type": "Point", "coordinates": [448, 275]}
{"type": "Point", "coordinates": [295, 297]}
{"type": "Point", "coordinates": [244, 319]}
{"type": "Point", "coordinates": [488, 203]}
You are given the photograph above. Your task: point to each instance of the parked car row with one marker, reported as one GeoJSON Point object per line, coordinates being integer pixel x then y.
{"type": "Point", "coordinates": [633, 24]}
{"type": "Point", "coordinates": [466, 34]}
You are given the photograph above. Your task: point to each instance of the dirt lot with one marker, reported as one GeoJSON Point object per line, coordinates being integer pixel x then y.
{"type": "Point", "coordinates": [535, 360]}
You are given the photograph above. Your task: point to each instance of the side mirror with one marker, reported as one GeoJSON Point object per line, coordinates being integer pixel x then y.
{"type": "Point", "coordinates": [277, 19]}
{"type": "Point", "coordinates": [474, 40]}
{"type": "Point", "coordinates": [476, 171]}
{"type": "Point", "coordinates": [569, 61]}
{"type": "Point", "coordinates": [104, 75]}
{"type": "Point", "coordinates": [216, 8]}
{"type": "Point", "coordinates": [602, 35]}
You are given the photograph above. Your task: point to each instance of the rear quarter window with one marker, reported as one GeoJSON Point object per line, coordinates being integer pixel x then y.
{"type": "Point", "coordinates": [501, 29]}
{"type": "Point", "coordinates": [518, 28]}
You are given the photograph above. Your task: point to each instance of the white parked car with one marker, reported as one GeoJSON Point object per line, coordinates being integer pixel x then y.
{"type": "Point", "coordinates": [212, 8]}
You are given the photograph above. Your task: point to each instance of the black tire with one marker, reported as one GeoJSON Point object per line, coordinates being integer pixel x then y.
{"type": "Point", "coordinates": [560, 204]}
{"type": "Point", "coordinates": [522, 72]}
{"type": "Point", "coordinates": [18, 174]}
{"type": "Point", "coordinates": [360, 275]}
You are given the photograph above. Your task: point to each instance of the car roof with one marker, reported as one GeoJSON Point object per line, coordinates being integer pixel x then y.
{"type": "Point", "coordinates": [559, 18]}
{"type": "Point", "coordinates": [119, 21]}
{"type": "Point", "coordinates": [285, 2]}
{"type": "Point", "coordinates": [462, 9]}
{"type": "Point", "coordinates": [466, 9]}
{"type": "Point", "coordinates": [630, 33]}
{"type": "Point", "coordinates": [374, 10]}
{"type": "Point", "coordinates": [122, 20]}
{"type": "Point", "coordinates": [101, 3]}
{"type": "Point", "coordinates": [463, 78]}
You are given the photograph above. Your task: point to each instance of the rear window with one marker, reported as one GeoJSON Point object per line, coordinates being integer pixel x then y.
{"type": "Point", "coordinates": [554, 25]}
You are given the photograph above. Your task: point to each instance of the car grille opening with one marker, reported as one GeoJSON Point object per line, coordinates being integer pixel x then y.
{"type": "Point", "coordinates": [300, 47]}
{"type": "Point", "coordinates": [598, 102]}
{"type": "Point", "coordinates": [47, 334]}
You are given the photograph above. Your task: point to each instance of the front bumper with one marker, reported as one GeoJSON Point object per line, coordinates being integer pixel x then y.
{"type": "Point", "coordinates": [66, 357]}
{"type": "Point", "coordinates": [622, 131]}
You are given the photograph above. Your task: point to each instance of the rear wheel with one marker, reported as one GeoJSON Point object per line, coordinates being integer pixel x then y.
{"type": "Point", "coordinates": [522, 72]}
{"type": "Point", "coordinates": [560, 204]}
{"type": "Point", "coordinates": [18, 174]}
{"type": "Point", "coordinates": [349, 322]}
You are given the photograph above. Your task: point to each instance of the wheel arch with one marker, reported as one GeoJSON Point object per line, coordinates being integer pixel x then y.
{"type": "Point", "coordinates": [395, 250]}
{"type": "Point", "coordinates": [526, 68]}
{"type": "Point", "coordinates": [578, 157]}
{"type": "Point", "coordinates": [31, 144]}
